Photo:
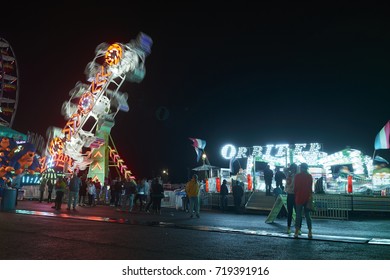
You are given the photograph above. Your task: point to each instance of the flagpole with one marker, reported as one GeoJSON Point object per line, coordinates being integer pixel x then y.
{"type": "Point", "coordinates": [204, 158]}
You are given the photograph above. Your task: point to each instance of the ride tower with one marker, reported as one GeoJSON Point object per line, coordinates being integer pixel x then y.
{"type": "Point", "coordinates": [91, 109]}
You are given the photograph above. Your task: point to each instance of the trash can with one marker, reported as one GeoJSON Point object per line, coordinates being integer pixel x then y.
{"type": "Point", "coordinates": [8, 199]}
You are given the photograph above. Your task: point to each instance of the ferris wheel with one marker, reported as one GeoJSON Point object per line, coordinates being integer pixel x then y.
{"type": "Point", "coordinates": [9, 88]}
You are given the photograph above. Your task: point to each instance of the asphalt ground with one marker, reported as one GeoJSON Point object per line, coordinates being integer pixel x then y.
{"type": "Point", "coordinates": [101, 242]}
{"type": "Point", "coordinates": [365, 228]}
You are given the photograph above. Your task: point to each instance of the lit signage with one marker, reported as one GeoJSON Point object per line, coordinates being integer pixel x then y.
{"type": "Point", "coordinates": [279, 153]}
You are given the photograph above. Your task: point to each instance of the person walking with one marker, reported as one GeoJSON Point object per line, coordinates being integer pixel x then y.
{"type": "Point", "coordinates": [91, 190]}
{"type": "Point", "coordinates": [104, 191]}
{"type": "Point", "coordinates": [149, 194]}
{"type": "Point", "coordinates": [118, 188]}
{"type": "Point", "coordinates": [157, 192]}
{"type": "Point", "coordinates": [83, 192]}
{"type": "Point", "coordinates": [291, 172]}
{"type": "Point", "coordinates": [112, 192]}
{"type": "Point", "coordinates": [192, 190]}
{"type": "Point", "coordinates": [17, 184]}
{"type": "Point", "coordinates": [303, 190]}
{"type": "Point", "coordinates": [42, 188]}
{"type": "Point", "coordinates": [268, 175]}
{"type": "Point", "coordinates": [130, 190]}
{"type": "Point", "coordinates": [140, 196]}
{"type": "Point", "coordinates": [74, 188]}
{"type": "Point", "coordinates": [50, 187]}
{"type": "Point", "coordinates": [60, 188]}
{"type": "Point", "coordinates": [98, 187]}
{"type": "Point", "coordinates": [279, 177]}
{"type": "Point", "coordinates": [224, 195]}
{"type": "Point", "coordinates": [238, 192]}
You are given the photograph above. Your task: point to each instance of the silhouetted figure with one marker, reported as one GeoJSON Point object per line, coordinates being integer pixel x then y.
{"type": "Point", "coordinates": [60, 188]}
{"type": "Point", "coordinates": [50, 187]}
{"type": "Point", "coordinates": [42, 188]}
{"type": "Point", "coordinates": [303, 182]}
{"type": "Point", "coordinates": [157, 192]}
{"type": "Point", "coordinates": [193, 192]}
{"type": "Point", "coordinates": [279, 177]}
{"type": "Point", "coordinates": [268, 175]}
{"type": "Point", "coordinates": [238, 192]}
{"type": "Point", "coordinates": [224, 196]}
{"type": "Point", "coordinates": [291, 172]}
{"type": "Point", "coordinates": [319, 186]}
{"type": "Point", "coordinates": [130, 189]}
{"type": "Point", "coordinates": [83, 192]}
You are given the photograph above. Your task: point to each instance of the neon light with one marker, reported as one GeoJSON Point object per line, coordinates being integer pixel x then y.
{"type": "Point", "coordinates": [228, 151]}
{"type": "Point", "coordinates": [123, 167]}
{"type": "Point", "coordinates": [278, 154]}
{"type": "Point", "coordinates": [119, 162]}
{"type": "Point", "coordinates": [281, 150]}
{"type": "Point", "coordinates": [86, 103]}
{"type": "Point", "coordinates": [242, 152]}
{"type": "Point", "coordinates": [113, 54]}
{"type": "Point", "coordinates": [98, 154]}
{"type": "Point", "coordinates": [257, 151]}
{"type": "Point", "coordinates": [56, 146]}
{"type": "Point", "coordinates": [97, 165]}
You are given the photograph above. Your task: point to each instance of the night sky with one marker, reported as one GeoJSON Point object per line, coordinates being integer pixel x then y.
{"type": "Point", "coordinates": [239, 72]}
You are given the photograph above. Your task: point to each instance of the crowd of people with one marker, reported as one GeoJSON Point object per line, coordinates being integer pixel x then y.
{"type": "Point", "coordinates": [123, 194]}
{"type": "Point", "coordinates": [298, 190]}
{"type": "Point", "coordinates": [145, 195]}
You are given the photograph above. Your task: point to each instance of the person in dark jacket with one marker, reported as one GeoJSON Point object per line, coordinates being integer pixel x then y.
{"type": "Point", "coordinates": [157, 193]}
{"type": "Point", "coordinates": [50, 187]}
{"type": "Point", "coordinates": [268, 175]}
{"type": "Point", "coordinates": [279, 177]}
{"type": "Point", "coordinates": [238, 192]}
{"type": "Point", "coordinates": [224, 195]}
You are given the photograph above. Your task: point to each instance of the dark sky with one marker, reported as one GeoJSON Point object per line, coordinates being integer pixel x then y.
{"type": "Point", "coordinates": [236, 72]}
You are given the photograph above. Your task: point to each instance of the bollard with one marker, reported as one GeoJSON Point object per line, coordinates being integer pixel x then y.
{"type": "Point", "coordinates": [249, 179]}
{"type": "Point", "coordinates": [349, 184]}
{"type": "Point", "coordinates": [218, 183]}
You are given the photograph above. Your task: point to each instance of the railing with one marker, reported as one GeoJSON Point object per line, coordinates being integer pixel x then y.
{"type": "Point", "coordinates": [331, 207]}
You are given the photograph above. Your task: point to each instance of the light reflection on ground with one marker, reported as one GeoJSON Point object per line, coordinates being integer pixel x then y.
{"type": "Point", "coordinates": [345, 239]}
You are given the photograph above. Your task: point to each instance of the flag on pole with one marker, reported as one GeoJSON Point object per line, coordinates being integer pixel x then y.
{"type": "Point", "coordinates": [383, 137]}
{"type": "Point", "coordinates": [199, 145]}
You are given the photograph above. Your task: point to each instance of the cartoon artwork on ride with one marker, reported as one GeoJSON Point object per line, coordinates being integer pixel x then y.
{"type": "Point", "coordinates": [91, 110]}
{"type": "Point", "coordinates": [16, 159]}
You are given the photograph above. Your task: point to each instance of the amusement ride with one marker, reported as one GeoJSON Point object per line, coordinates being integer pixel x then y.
{"type": "Point", "coordinates": [85, 141]}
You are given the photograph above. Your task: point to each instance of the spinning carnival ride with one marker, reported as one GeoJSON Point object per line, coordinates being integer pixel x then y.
{"type": "Point", "coordinates": [9, 90]}
{"type": "Point", "coordinates": [91, 110]}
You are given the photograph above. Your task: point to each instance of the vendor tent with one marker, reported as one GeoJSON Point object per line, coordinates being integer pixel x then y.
{"type": "Point", "coordinates": [207, 168]}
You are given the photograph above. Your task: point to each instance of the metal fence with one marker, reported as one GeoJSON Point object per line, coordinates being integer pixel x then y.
{"type": "Point", "coordinates": [331, 207]}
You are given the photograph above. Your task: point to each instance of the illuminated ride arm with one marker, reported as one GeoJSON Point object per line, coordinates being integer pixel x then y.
{"type": "Point", "coordinates": [91, 105]}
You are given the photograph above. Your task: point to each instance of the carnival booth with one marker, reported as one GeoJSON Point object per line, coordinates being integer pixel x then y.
{"type": "Point", "coordinates": [347, 171]}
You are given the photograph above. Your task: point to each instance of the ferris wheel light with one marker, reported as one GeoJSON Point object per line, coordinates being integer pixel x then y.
{"type": "Point", "coordinates": [9, 88]}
